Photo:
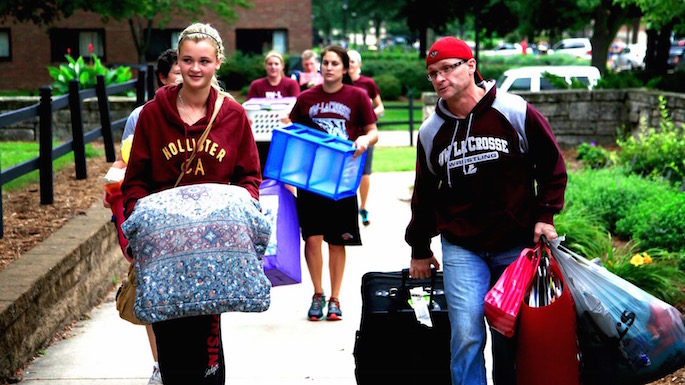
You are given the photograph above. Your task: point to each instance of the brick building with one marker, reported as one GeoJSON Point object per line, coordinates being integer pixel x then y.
{"type": "Point", "coordinates": [27, 49]}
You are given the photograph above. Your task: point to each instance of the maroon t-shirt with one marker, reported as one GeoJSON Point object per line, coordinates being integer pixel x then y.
{"type": "Point", "coordinates": [261, 88]}
{"type": "Point", "coordinates": [368, 85]}
{"type": "Point", "coordinates": [344, 113]}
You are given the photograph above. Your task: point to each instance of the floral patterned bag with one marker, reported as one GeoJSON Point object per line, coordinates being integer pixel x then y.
{"type": "Point", "coordinates": [198, 250]}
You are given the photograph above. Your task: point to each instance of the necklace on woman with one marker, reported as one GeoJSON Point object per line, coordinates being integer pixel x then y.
{"type": "Point", "coordinates": [191, 120]}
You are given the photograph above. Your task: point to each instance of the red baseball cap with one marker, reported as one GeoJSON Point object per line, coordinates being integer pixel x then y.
{"type": "Point", "coordinates": [446, 48]}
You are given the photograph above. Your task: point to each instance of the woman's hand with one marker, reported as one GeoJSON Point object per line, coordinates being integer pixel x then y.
{"type": "Point", "coordinates": [361, 144]}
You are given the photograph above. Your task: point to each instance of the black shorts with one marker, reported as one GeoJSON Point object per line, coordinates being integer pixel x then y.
{"type": "Point", "coordinates": [337, 221]}
{"type": "Point", "coordinates": [369, 160]}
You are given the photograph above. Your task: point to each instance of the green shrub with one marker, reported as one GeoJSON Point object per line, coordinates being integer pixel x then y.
{"type": "Point", "coordinates": [239, 70]}
{"type": "Point", "coordinates": [584, 231]}
{"type": "Point", "coordinates": [619, 80]}
{"type": "Point", "coordinates": [610, 194]}
{"type": "Point", "coordinates": [656, 152]}
{"type": "Point", "coordinates": [556, 81]}
{"type": "Point", "coordinates": [593, 156]}
{"type": "Point", "coordinates": [674, 82]}
{"type": "Point", "coordinates": [85, 73]}
{"type": "Point", "coordinates": [407, 68]}
{"type": "Point", "coordinates": [662, 276]}
{"type": "Point", "coordinates": [657, 222]}
{"type": "Point", "coordinates": [390, 86]}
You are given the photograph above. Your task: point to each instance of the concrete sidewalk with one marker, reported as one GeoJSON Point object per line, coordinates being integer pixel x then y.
{"type": "Point", "coordinates": [278, 346]}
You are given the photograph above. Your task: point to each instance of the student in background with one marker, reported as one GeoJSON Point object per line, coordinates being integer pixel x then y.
{"type": "Point", "coordinates": [342, 110]}
{"type": "Point", "coordinates": [167, 72]}
{"type": "Point", "coordinates": [275, 84]}
{"type": "Point", "coordinates": [368, 85]}
{"type": "Point", "coordinates": [310, 75]}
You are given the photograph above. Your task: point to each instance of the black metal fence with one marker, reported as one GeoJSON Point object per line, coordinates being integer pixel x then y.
{"type": "Point", "coordinates": [44, 110]}
{"type": "Point", "coordinates": [410, 107]}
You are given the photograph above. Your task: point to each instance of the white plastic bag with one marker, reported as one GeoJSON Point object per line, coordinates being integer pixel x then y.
{"type": "Point", "coordinates": [626, 335]}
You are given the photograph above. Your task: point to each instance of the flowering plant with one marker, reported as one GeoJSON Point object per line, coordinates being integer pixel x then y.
{"type": "Point", "coordinates": [657, 272]}
{"type": "Point", "coordinates": [640, 259]}
{"type": "Point", "coordinates": [86, 74]}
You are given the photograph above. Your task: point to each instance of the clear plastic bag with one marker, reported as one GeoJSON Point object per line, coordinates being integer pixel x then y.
{"type": "Point", "coordinates": [626, 335]}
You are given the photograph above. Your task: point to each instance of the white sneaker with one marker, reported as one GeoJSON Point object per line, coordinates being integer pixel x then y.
{"type": "Point", "coordinates": [156, 378]}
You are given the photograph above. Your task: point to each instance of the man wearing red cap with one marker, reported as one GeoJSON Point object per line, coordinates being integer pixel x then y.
{"type": "Point", "coordinates": [489, 179]}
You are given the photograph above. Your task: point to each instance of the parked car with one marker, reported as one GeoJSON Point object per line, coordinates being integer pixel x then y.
{"type": "Point", "coordinates": [579, 47]}
{"type": "Point", "coordinates": [533, 78]}
{"type": "Point", "coordinates": [628, 58]}
{"type": "Point", "coordinates": [403, 42]}
{"type": "Point", "coordinates": [505, 49]}
{"type": "Point", "coordinates": [676, 56]}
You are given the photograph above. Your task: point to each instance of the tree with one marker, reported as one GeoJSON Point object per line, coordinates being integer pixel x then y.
{"type": "Point", "coordinates": [434, 14]}
{"type": "Point", "coordinates": [326, 16]}
{"type": "Point", "coordinates": [548, 17]}
{"type": "Point", "coordinates": [559, 15]}
{"type": "Point", "coordinates": [39, 12]}
{"type": "Point", "coordinates": [608, 16]}
{"type": "Point", "coordinates": [141, 14]}
{"type": "Point", "coordinates": [663, 17]}
{"type": "Point", "coordinates": [377, 12]}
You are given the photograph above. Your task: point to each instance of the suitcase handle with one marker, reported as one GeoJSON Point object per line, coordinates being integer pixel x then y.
{"type": "Point", "coordinates": [405, 278]}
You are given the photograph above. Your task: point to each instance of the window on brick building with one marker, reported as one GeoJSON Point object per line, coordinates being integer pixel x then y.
{"type": "Point", "coordinates": [76, 42]}
{"type": "Point", "coordinates": [260, 41]}
{"type": "Point", "coordinates": [5, 49]}
{"type": "Point", "coordinates": [160, 41]}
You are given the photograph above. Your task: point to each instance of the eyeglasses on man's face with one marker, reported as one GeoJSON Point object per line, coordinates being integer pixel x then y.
{"type": "Point", "coordinates": [443, 71]}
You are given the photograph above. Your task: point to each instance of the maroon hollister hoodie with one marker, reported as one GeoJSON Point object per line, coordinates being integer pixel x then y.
{"type": "Point", "coordinates": [162, 142]}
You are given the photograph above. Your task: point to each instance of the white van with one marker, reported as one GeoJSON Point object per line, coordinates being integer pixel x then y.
{"type": "Point", "coordinates": [531, 78]}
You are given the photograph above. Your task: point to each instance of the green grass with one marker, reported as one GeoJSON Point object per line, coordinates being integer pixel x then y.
{"type": "Point", "coordinates": [13, 153]}
{"type": "Point", "coordinates": [400, 115]}
{"type": "Point", "coordinates": [393, 159]}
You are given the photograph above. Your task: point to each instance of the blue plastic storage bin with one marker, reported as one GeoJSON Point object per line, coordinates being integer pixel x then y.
{"type": "Point", "coordinates": [314, 161]}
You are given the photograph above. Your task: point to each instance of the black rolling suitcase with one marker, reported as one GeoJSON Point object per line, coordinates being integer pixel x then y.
{"type": "Point", "coordinates": [391, 346]}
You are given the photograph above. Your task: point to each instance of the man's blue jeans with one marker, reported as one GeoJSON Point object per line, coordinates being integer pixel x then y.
{"type": "Point", "coordinates": [468, 276]}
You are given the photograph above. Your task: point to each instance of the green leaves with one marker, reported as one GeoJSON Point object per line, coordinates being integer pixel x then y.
{"type": "Point", "coordinates": [594, 156]}
{"type": "Point", "coordinates": [653, 152]}
{"type": "Point", "coordinates": [650, 213]}
{"type": "Point", "coordinates": [85, 73]}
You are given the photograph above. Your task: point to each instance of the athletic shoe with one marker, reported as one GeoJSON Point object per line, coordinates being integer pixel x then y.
{"type": "Point", "coordinates": [365, 217]}
{"type": "Point", "coordinates": [316, 310]}
{"type": "Point", "coordinates": [156, 378]}
{"type": "Point", "coordinates": [334, 313]}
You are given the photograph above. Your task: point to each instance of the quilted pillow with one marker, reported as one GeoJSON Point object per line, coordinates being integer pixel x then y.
{"type": "Point", "coordinates": [197, 250]}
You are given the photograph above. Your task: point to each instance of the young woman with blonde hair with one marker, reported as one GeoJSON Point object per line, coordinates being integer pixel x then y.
{"type": "Point", "coordinates": [190, 349]}
{"type": "Point", "coordinates": [275, 84]}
